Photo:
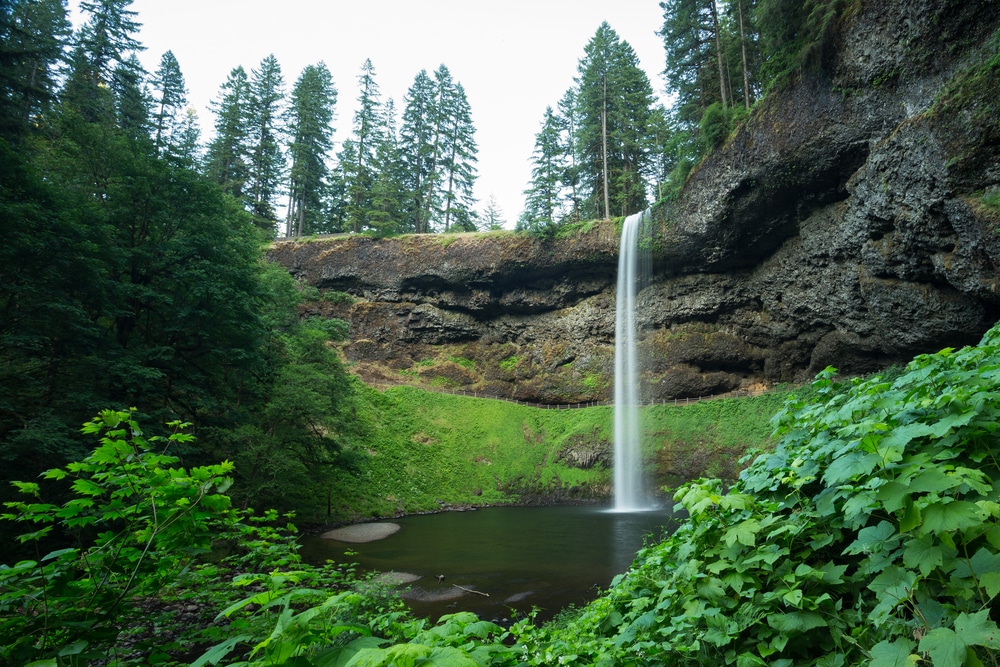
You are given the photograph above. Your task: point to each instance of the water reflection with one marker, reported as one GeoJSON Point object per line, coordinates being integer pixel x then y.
{"type": "Point", "coordinates": [520, 557]}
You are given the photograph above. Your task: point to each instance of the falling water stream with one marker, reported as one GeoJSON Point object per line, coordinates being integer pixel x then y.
{"type": "Point", "coordinates": [629, 494]}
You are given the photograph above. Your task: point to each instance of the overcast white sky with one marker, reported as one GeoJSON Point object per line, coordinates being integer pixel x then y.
{"type": "Point", "coordinates": [513, 57]}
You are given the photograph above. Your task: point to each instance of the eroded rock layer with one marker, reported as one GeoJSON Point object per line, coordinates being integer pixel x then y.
{"type": "Point", "coordinates": [851, 221]}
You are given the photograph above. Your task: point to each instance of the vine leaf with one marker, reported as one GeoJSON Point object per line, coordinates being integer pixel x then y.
{"type": "Point", "coordinates": [945, 647]}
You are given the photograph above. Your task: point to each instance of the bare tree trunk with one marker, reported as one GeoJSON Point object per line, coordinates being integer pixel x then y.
{"type": "Point", "coordinates": [291, 210]}
{"type": "Point", "coordinates": [604, 148]}
{"type": "Point", "coordinates": [743, 48]}
{"type": "Point", "coordinates": [718, 53]}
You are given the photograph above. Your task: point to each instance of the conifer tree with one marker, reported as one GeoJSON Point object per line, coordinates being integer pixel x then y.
{"type": "Point", "coordinates": [458, 158]}
{"type": "Point", "coordinates": [542, 198]}
{"type": "Point", "coordinates": [367, 130]}
{"type": "Point", "coordinates": [492, 216]}
{"type": "Point", "coordinates": [107, 38]}
{"type": "Point", "coordinates": [170, 102]}
{"type": "Point", "coordinates": [385, 216]}
{"type": "Point", "coordinates": [104, 46]}
{"type": "Point", "coordinates": [568, 118]}
{"type": "Point", "coordinates": [132, 101]}
{"type": "Point", "coordinates": [615, 100]}
{"type": "Point", "coordinates": [689, 43]}
{"type": "Point", "coordinates": [310, 121]}
{"type": "Point", "coordinates": [266, 159]}
{"type": "Point", "coordinates": [187, 146]}
{"type": "Point", "coordinates": [418, 141]}
{"type": "Point", "coordinates": [229, 153]}
{"type": "Point", "coordinates": [32, 38]}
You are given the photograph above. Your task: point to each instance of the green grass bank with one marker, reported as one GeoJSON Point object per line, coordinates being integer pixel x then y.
{"type": "Point", "coordinates": [419, 451]}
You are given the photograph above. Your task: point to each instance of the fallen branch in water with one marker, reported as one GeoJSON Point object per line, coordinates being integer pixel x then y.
{"type": "Point", "coordinates": [469, 590]}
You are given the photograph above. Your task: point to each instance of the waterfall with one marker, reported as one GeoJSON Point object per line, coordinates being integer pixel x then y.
{"type": "Point", "coordinates": [628, 486]}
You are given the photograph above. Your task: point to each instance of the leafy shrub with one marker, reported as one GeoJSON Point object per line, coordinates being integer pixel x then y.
{"type": "Point", "coordinates": [870, 536]}
{"type": "Point", "coordinates": [508, 364]}
{"type": "Point", "coordinates": [714, 126]}
{"type": "Point", "coordinates": [339, 298]}
{"type": "Point", "coordinates": [139, 521]}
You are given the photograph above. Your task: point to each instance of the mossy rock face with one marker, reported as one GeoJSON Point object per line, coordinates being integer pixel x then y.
{"type": "Point", "coordinates": [851, 220]}
{"type": "Point", "coordinates": [586, 451]}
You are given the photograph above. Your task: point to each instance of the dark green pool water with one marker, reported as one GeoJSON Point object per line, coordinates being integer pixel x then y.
{"type": "Point", "coordinates": [521, 557]}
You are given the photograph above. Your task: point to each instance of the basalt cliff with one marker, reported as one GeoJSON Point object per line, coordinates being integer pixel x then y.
{"type": "Point", "coordinates": [851, 221]}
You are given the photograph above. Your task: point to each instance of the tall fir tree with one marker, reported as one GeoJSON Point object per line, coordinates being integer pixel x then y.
{"type": "Point", "coordinates": [367, 129]}
{"type": "Point", "coordinates": [310, 125]}
{"type": "Point", "coordinates": [458, 158]}
{"type": "Point", "coordinates": [108, 36]}
{"type": "Point", "coordinates": [615, 100]}
{"type": "Point", "coordinates": [228, 160]}
{"type": "Point", "coordinates": [689, 44]}
{"type": "Point", "coordinates": [418, 142]}
{"type": "Point", "coordinates": [385, 216]}
{"type": "Point", "coordinates": [568, 117]}
{"type": "Point", "coordinates": [132, 101]}
{"type": "Point", "coordinates": [105, 45]}
{"type": "Point", "coordinates": [187, 146]}
{"type": "Point", "coordinates": [492, 216]}
{"type": "Point", "coordinates": [543, 195]}
{"type": "Point", "coordinates": [32, 38]}
{"type": "Point", "coordinates": [266, 159]}
{"type": "Point", "coordinates": [170, 102]}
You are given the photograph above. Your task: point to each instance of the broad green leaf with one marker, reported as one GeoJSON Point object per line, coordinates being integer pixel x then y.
{"type": "Point", "coordinates": [893, 495]}
{"type": "Point", "coordinates": [30, 488]}
{"type": "Point", "coordinates": [891, 587]}
{"type": "Point", "coordinates": [978, 630]}
{"type": "Point", "coordinates": [744, 532]}
{"type": "Point", "coordinates": [749, 660]}
{"type": "Point", "coordinates": [982, 561]}
{"type": "Point", "coordinates": [796, 621]}
{"type": "Point", "coordinates": [991, 583]}
{"type": "Point", "coordinates": [945, 424]}
{"type": "Point", "coordinates": [901, 436]}
{"type": "Point", "coordinates": [942, 516]}
{"type": "Point", "coordinates": [925, 554]}
{"type": "Point", "coordinates": [75, 648]}
{"type": "Point", "coordinates": [932, 480]}
{"type": "Point", "coordinates": [833, 574]}
{"type": "Point", "coordinates": [945, 647]}
{"type": "Point", "coordinates": [851, 465]}
{"type": "Point", "coordinates": [446, 656]}
{"type": "Point", "coordinates": [87, 488]}
{"type": "Point", "coordinates": [893, 654]}
{"type": "Point", "coordinates": [481, 629]}
{"type": "Point", "coordinates": [911, 516]}
{"type": "Point", "coordinates": [873, 539]}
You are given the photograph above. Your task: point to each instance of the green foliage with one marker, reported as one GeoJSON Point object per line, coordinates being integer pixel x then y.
{"type": "Point", "coordinates": [714, 126]}
{"type": "Point", "coordinates": [508, 364]}
{"type": "Point", "coordinates": [463, 362]}
{"type": "Point", "coordinates": [870, 534]}
{"type": "Point", "coordinates": [139, 521]}
{"type": "Point", "coordinates": [339, 298]}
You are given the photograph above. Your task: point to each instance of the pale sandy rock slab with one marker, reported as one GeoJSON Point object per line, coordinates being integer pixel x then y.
{"type": "Point", "coordinates": [362, 532]}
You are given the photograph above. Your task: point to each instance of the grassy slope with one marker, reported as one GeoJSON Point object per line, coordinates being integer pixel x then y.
{"type": "Point", "coordinates": [418, 451]}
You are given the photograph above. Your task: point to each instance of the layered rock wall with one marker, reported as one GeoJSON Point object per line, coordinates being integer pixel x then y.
{"type": "Point", "coordinates": [851, 221]}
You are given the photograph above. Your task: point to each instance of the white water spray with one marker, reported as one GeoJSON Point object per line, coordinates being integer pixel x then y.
{"type": "Point", "coordinates": [629, 494]}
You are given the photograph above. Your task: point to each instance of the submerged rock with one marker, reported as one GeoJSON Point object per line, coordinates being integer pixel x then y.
{"type": "Point", "coordinates": [362, 532]}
